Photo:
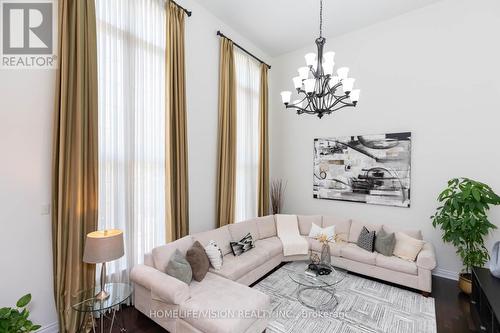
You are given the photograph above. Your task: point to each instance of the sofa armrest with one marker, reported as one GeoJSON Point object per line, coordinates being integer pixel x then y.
{"type": "Point", "coordinates": [167, 288]}
{"type": "Point", "coordinates": [426, 259]}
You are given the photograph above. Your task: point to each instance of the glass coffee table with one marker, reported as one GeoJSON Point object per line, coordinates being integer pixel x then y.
{"type": "Point", "coordinates": [321, 288]}
{"type": "Point", "coordinates": [86, 303]}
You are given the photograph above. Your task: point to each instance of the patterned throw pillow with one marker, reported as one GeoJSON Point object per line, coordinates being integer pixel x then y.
{"type": "Point", "coordinates": [244, 245]}
{"type": "Point", "coordinates": [366, 239]}
{"type": "Point", "coordinates": [214, 254]}
{"type": "Point", "coordinates": [385, 243]}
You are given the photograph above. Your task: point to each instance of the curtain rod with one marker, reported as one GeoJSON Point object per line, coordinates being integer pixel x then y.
{"type": "Point", "coordinates": [244, 50]}
{"type": "Point", "coordinates": [188, 12]}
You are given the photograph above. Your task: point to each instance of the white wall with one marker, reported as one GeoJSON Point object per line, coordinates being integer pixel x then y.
{"type": "Point", "coordinates": [434, 72]}
{"type": "Point", "coordinates": [202, 76]}
{"type": "Point", "coordinates": [26, 108]}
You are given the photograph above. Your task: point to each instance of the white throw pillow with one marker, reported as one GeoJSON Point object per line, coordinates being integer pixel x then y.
{"type": "Point", "coordinates": [214, 254]}
{"type": "Point", "coordinates": [318, 231]}
{"type": "Point", "coordinates": [407, 247]}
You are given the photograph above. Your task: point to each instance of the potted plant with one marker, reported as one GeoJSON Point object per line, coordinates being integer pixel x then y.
{"type": "Point", "coordinates": [464, 222]}
{"type": "Point", "coordinates": [15, 320]}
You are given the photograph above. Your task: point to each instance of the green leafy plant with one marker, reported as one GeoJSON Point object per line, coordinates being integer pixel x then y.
{"type": "Point", "coordinates": [464, 221]}
{"type": "Point", "coordinates": [15, 320]}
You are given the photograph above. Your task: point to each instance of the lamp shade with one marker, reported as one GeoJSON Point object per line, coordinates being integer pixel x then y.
{"type": "Point", "coordinates": [103, 246]}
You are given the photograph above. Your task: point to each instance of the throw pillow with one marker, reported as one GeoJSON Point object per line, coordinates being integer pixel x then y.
{"type": "Point", "coordinates": [407, 248]}
{"type": "Point", "coordinates": [385, 242]}
{"type": "Point", "coordinates": [179, 268]}
{"type": "Point", "coordinates": [197, 258]}
{"type": "Point", "coordinates": [366, 239]}
{"type": "Point", "coordinates": [214, 254]}
{"type": "Point", "coordinates": [316, 231]}
{"type": "Point", "coordinates": [244, 245]}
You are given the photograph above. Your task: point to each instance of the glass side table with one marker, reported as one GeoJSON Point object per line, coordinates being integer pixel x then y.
{"type": "Point", "coordinates": [323, 284]}
{"type": "Point", "coordinates": [86, 303]}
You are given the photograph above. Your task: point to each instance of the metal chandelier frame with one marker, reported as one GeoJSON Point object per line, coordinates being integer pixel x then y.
{"type": "Point", "coordinates": [328, 95]}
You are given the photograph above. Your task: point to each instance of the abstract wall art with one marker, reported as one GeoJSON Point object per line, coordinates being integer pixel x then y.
{"type": "Point", "coordinates": [372, 169]}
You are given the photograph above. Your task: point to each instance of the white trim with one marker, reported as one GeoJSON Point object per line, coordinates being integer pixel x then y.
{"type": "Point", "coordinates": [444, 273]}
{"type": "Point", "coordinates": [50, 328]}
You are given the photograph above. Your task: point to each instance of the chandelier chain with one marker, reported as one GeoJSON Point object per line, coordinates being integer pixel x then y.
{"type": "Point", "coordinates": [321, 18]}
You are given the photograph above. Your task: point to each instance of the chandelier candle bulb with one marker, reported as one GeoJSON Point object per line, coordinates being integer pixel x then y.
{"type": "Point", "coordinates": [310, 59]}
{"type": "Point", "coordinates": [303, 72]}
{"type": "Point", "coordinates": [342, 72]}
{"type": "Point", "coordinates": [348, 84]}
{"type": "Point", "coordinates": [309, 85]}
{"type": "Point", "coordinates": [317, 87]}
{"type": "Point", "coordinates": [285, 96]}
{"type": "Point", "coordinates": [329, 57]}
{"type": "Point", "coordinates": [297, 82]}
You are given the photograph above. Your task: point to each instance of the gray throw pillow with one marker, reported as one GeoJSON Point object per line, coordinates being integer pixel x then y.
{"type": "Point", "coordinates": [385, 243]}
{"type": "Point", "coordinates": [179, 268]}
{"type": "Point", "coordinates": [366, 239]}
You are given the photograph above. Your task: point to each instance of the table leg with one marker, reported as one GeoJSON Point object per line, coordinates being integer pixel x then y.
{"type": "Point", "coordinates": [112, 321]}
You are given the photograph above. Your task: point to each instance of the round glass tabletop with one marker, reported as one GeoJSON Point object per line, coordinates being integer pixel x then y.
{"type": "Point", "coordinates": [299, 276]}
{"type": "Point", "coordinates": [85, 301]}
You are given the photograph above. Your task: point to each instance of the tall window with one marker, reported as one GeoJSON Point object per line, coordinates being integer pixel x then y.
{"type": "Point", "coordinates": [131, 66]}
{"type": "Point", "coordinates": [247, 147]}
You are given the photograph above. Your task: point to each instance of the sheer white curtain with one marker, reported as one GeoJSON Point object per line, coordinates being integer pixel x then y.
{"type": "Point", "coordinates": [247, 146]}
{"type": "Point", "coordinates": [131, 58]}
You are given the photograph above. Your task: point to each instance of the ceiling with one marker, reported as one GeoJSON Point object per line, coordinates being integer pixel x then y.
{"type": "Point", "coordinates": [281, 26]}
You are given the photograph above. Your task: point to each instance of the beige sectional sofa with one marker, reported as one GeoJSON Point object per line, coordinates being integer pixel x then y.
{"type": "Point", "coordinates": [223, 302]}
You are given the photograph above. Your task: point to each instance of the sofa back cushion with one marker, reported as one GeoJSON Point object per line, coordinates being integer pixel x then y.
{"type": "Point", "coordinates": [221, 236]}
{"type": "Point", "coordinates": [306, 221]}
{"type": "Point", "coordinates": [266, 226]}
{"type": "Point", "coordinates": [413, 233]}
{"type": "Point", "coordinates": [162, 254]}
{"type": "Point", "coordinates": [241, 229]}
{"type": "Point", "coordinates": [342, 226]}
{"type": "Point", "coordinates": [356, 228]}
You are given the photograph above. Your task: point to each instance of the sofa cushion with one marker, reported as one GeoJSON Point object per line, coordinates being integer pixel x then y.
{"type": "Point", "coordinates": [216, 294]}
{"type": "Point", "coordinates": [385, 242]}
{"type": "Point", "coordinates": [266, 226]}
{"type": "Point", "coordinates": [396, 264]}
{"type": "Point", "coordinates": [342, 226]}
{"type": "Point", "coordinates": [366, 240]}
{"type": "Point", "coordinates": [271, 245]}
{"type": "Point", "coordinates": [356, 228]}
{"type": "Point", "coordinates": [198, 259]}
{"type": "Point", "coordinates": [407, 247]}
{"type": "Point", "coordinates": [221, 236]}
{"type": "Point", "coordinates": [162, 254]}
{"type": "Point", "coordinates": [179, 268]}
{"type": "Point", "coordinates": [235, 267]}
{"type": "Point", "coordinates": [413, 233]}
{"type": "Point", "coordinates": [241, 229]}
{"type": "Point", "coordinates": [354, 252]}
{"type": "Point", "coordinates": [306, 221]}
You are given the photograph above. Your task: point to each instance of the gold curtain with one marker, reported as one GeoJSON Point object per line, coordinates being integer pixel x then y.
{"type": "Point", "coordinates": [263, 186]}
{"type": "Point", "coordinates": [226, 178]}
{"type": "Point", "coordinates": [177, 205]}
{"type": "Point", "coordinates": [75, 159]}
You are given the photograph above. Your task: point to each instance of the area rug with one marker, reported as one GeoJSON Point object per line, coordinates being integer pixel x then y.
{"type": "Point", "coordinates": [364, 306]}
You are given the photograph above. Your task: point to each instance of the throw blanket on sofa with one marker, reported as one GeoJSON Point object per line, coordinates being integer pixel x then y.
{"type": "Point", "coordinates": [288, 231]}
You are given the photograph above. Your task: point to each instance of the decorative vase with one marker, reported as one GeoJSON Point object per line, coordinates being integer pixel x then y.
{"type": "Point", "coordinates": [326, 259]}
{"type": "Point", "coordinates": [495, 260]}
{"type": "Point", "coordinates": [465, 283]}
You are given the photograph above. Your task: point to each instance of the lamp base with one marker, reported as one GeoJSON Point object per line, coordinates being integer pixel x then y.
{"type": "Point", "coordinates": [102, 295]}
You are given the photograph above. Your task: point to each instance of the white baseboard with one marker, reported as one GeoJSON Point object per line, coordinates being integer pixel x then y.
{"type": "Point", "coordinates": [50, 328]}
{"type": "Point", "coordinates": [444, 273]}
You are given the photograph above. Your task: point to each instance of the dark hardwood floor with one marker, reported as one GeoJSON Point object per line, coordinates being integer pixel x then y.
{"type": "Point", "coordinates": [452, 312]}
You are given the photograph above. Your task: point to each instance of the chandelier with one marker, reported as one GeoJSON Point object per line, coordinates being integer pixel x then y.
{"type": "Point", "coordinates": [320, 91]}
